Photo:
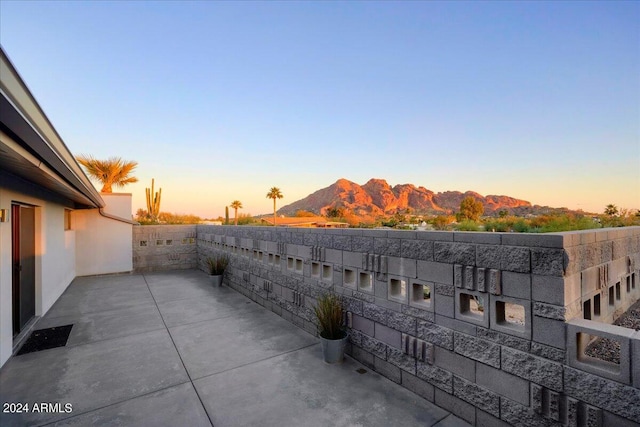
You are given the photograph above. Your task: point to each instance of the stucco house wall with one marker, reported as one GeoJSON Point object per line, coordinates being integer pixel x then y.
{"type": "Point", "coordinates": [103, 244]}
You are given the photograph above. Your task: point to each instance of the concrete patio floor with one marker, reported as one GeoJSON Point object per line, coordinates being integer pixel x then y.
{"type": "Point", "coordinates": [169, 349]}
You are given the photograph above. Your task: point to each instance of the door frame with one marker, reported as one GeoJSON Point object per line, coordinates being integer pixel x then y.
{"type": "Point", "coordinates": [23, 282]}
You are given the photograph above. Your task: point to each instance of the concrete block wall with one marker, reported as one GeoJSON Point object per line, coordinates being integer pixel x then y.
{"type": "Point", "coordinates": [487, 325]}
{"type": "Point", "coordinates": [164, 247]}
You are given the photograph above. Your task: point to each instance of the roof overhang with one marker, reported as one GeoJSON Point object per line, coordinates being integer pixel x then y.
{"type": "Point", "coordinates": [30, 147]}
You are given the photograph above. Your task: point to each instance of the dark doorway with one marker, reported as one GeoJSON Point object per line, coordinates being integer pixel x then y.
{"type": "Point", "coordinates": [23, 238]}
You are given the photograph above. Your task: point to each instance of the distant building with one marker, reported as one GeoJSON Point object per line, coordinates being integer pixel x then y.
{"type": "Point", "coordinates": [211, 222]}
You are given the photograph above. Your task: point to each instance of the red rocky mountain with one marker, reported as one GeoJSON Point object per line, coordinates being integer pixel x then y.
{"type": "Point", "coordinates": [377, 197]}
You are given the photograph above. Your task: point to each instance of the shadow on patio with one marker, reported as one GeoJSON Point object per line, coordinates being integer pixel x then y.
{"type": "Point", "coordinates": [169, 349]}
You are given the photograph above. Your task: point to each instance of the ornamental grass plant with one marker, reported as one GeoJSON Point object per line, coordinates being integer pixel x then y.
{"type": "Point", "coordinates": [330, 317]}
{"type": "Point", "coordinates": [217, 264]}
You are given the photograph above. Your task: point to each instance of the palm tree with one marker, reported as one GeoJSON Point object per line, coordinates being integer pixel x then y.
{"type": "Point", "coordinates": [111, 172]}
{"type": "Point", "coordinates": [611, 210]}
{"type": "Point", "coordinates": [236, 204]}
{"type": "Point", "coordinates": [274, 194]}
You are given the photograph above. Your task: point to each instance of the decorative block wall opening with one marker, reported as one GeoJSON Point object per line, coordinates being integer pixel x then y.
{"type": "Point", "coordinates": [159, 242]}
{"type": "Point", "coordinates": [143, 243]}
{"type": "Point", "coordinates": [510, 315]}
{"type": "Point", "coordinates": [366, 282]}
{"type": "Point", "coordinates": [315, 269]}
{"type": "Point", "coordinates": [421, 295]}
{"type": "Point", "coordinates": [290, 263]}
{"type": "Point", "coordinates": [349, 278]}
{"type": "Point", "coordinates": [299, 265]}
{"type": "Point", "coordinates": [611, 296]}
{"type": "Point", "coordinates": [472, 305]}
{"type": "Point", "coordinates": [602, 351]}
{"type": "Point", "coordinates": [596, 305]}
{"type": "Point", "coordinates": [255, 255]}
{"type": "Point", "coordinates": [618, 293]}
{"type": "Point", "coordinates": [168, 242]}
{"type": "Point", "coordinates": [586, 309]}
{"type": "Point", "coordinates": [277, 260]}
{"type": "Point", "coordinates": [327, 272]}
{"type": "Point", "coordinates": [398, 289]}
{"type": "Point", "coordinates": [270, 259]}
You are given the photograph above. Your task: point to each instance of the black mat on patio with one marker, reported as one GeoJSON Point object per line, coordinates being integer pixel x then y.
{"type": "Point", "coordinates": [44, 339]}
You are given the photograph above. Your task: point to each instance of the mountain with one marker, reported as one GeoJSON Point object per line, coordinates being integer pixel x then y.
{"type": "Point", "coordinates": [378, 198]}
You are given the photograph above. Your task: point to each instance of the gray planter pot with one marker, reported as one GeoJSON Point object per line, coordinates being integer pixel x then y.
{"type": "Point", "coordinates": [333, 350]}
{"type": "Point", "coordinates": [216, 280]}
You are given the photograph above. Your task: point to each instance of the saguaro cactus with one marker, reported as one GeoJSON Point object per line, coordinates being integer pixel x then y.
{"type": "Point", "coordinates": [226, 215]}
{"type": "Point", "coordinates": [153, 205]}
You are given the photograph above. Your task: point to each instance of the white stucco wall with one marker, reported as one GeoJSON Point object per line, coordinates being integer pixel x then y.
{"type": "Point", "coordinates": [103, 245]}
{"type": "Point", "coordinates": [55, 260]}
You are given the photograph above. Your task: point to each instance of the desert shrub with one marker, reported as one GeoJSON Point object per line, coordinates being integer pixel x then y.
{"type": "Point", "coordinates": [467, 226]}
{"type": "Point", "coordinates": [521, 226]}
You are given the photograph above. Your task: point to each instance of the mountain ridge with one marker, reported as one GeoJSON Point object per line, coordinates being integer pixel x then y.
{"type": "Point", "coordinates": [377, 198]}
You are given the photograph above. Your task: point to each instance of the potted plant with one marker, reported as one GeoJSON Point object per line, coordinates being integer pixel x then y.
{"type": "Point", "coordinates": [216, 265]}
{"type": "Point", "coordinates": [333, 334]}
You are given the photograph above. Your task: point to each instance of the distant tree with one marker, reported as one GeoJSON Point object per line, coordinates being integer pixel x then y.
{"type": "Point", "coordinates": [335, 212]}
{"type": "Point", "coordinates": [503, 213]}
{"type": "Point", "coordinates": [442, 221]}
{"type": "Point", "coordinates": [245, 219]}
{"type": "Point", "coordinates": [611, 210]}
{"type": "Point", "coordinates": [470, 209]}
{"type": "Point", "coordinates": [236, 204]}
{"type": "Point", "coordinates": [304, 214]}
{"type": "Point", "coordinates": [274, 193]}
{"type": "Point", "coordinates": [111, 172]}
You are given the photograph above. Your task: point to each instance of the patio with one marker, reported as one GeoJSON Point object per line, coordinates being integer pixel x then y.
{"type": "Point", "coordinates": [169, 349]}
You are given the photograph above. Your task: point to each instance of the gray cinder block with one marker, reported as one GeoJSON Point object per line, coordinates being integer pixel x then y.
{"type": "Point", "coordinates": [547, 262]}
{"type": "Point", "coordinates": [517, 285]}
{"type": "Point", "coordinates": [454, 253]}
{"type": "Point", "coordinates": [403, 361]}
{"type": "Point", "coordinates": [387, 369]}
{"type": "Point", "coordinates": [438, 272]}
{"type": "Point", "coordinates": [532, 368]}
{"type": "Point", "coordinates": [515, 258]}
{"type": "Point", "coordinates": [548, 331]}
{"type": "Point", "coordinates": [478, 396]}
{"type": "Point", "coordinates": [455, 363]}
{"type": "Point", "coordinates": [618, 398]}
{"type": "Point", "coordinates": [387, 335]}
{"type": "Point", "coordinates": [418, 386]}
{"type": "Point", "coordinates": [455, 405]}
{"type": "Point", "coordinates": [477, 349]}
{"type": "Point", "coordinates": [438, 377]}
{"type": "Point", "coordinates": [435, 334]}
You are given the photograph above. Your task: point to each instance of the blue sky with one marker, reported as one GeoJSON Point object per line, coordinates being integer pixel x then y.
{"type": "Point", "coordinates": [223, 100]}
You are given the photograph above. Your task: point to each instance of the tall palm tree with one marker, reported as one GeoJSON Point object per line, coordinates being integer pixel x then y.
{"type": "Point", "coordinates": [111, 172]}
{"type": "Point", "coordinates": [274, 194]}
{"type": "Point", "coordinates": [236, 204]}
